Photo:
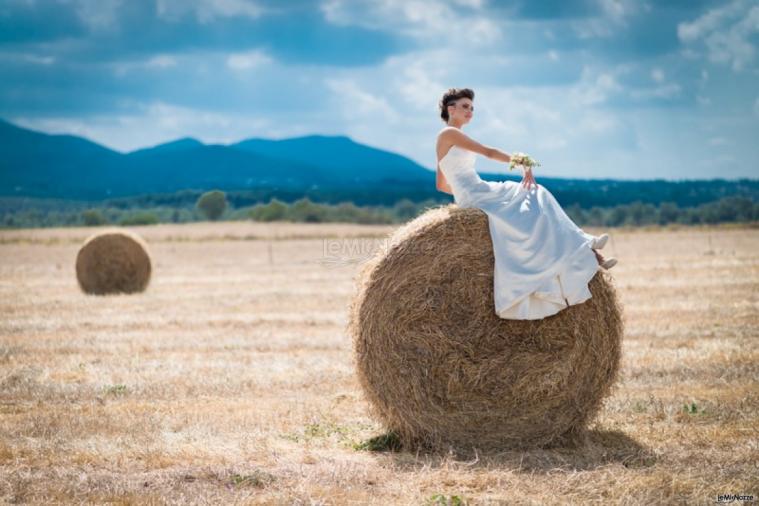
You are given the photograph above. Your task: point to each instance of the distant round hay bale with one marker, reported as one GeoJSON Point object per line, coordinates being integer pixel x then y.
{"type": "Point", "coordinates": [440, 368]}
{"type": "Point", "coordinates": [113, 261]}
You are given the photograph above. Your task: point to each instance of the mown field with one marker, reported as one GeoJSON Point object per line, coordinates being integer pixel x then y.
{"type": "Point", "coordinates": [230, 380]}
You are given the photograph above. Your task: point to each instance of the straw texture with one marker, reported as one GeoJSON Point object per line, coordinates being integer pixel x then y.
{"type": "Point", "coordinates": [113, 261]}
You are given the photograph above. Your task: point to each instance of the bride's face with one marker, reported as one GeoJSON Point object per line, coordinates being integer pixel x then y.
{"type": "Point", "coordinates": [461, 111]}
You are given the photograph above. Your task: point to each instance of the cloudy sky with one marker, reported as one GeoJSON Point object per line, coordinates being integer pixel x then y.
{"type": "Point", "coordinates": [628, 89]}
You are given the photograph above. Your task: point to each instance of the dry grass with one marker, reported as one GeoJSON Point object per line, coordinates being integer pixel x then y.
{"type": "Point", "coordinates": [230, 380]}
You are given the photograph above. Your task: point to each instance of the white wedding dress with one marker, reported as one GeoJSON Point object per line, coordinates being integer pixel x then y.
{"type": "Point", "coordinates": [543, 260]}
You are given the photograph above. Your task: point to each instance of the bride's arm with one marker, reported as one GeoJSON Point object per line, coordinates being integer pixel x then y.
{"type": "Point", "coordinates": [459, 138]}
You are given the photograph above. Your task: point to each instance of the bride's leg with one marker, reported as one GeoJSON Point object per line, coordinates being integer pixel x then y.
{"type": "Point", "coordinates": [562, 215]}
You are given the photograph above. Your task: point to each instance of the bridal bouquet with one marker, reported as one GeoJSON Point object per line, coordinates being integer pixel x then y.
{"type": "Point", "coordinates": [522, 159]}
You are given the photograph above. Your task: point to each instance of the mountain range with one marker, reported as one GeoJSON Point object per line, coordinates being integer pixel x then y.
{"type": "Point", "coordinates": [36, 164]}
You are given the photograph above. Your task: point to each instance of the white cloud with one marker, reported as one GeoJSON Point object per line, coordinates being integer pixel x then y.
{"type": "Point", "coordinates": [553, 55]}
{"type": "Point", "coordinates": [664, 91]}
{"type": "Point", "coordinates": [726, 33]}
{"type": "Point", "coordinates": [38, 59]}
{"type": "Point", "coordinates": [159, 61]}
{"type": "Point", "coordinates": [103, 15]}
{"type": "Point", "coordinates": [98, 14]}
{"type": "Point", "coordinates": [414, 86]}
{"type": "Point", "coordinates": [708, 22]}
{"type": "Point", "coordinates": [206, 11]}
{"type": "Point", "coordinates": [618, 10]}
{"type": "Point", "coordinates": [596, 86]}
{"type": "Point", "coordinates": [200, 61]}
{"type": "Point", "coordinates": [690, 54]}
{"type": "Point", "coordinates": [473, 4]}
{"type": "Point", "coordinates": [247, 60]}
{"type": "Point", "coordinates": [358, 104]}
{"type": "Point", "coordinates": [153, 123]}
{"type": "Point", "coordinates": [428, 20]}
{"type": "Point", "coordinates": [613, 15]}
{"type": "Point", "coordinates": [592, 28]}
{"type": "Point", "coordinates": [162, 61]}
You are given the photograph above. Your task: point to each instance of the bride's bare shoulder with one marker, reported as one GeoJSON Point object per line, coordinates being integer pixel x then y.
{"type": "Point", "coordinates": [446, 132]}
{"type": "Point", "coordinates": [445, 136]}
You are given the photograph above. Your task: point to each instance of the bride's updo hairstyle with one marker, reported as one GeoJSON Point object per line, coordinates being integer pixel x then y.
{"type": "Point", "coordinates": [450, 97]}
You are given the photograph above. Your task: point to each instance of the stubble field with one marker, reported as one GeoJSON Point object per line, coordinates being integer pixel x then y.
{"type": "Point", "coordinates": [230, 380]}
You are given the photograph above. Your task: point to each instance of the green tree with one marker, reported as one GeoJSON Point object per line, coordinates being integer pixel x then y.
{"type": "Point", "coordinates": [305, 210]}
{"type": "Point", "coordinates": [668, 212]}
{"type": "Point", "coordinates": [577, 214]}
{"type": "Point", "coordinates": [617, 216]}
{"type": "Point", "coordinates": [639, 213]}
{"type": "Point", "coordinates": [689, 216]}
{"type": "Point", "coordinates": [346, 212]}
{"type": "Point", "coordinates": [93, 217]}
{"type": "Point", "coordinates": [405, 209]}
{"type": "Point", "coordinates": [595, 217]}
{"type": "Point", "coordinates": [734, 208]}
{"type": "Point", "coordinates": [140, 218]}
{"type": "Point", "coordinates": [212, 204]}
{"type": "Point", "coordinates": [273, 211]}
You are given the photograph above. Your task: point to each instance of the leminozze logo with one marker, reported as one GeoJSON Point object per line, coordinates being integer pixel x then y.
{"type": "Point", "coordinates": [342, 252]}
{"type": "Point", "coordinates": [734, 497]}
{"type": "Point", "coordinates": [351, 251]}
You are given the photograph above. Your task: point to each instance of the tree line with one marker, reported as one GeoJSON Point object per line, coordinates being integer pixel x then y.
{"type": "Point", "coordinates": [215, 205]}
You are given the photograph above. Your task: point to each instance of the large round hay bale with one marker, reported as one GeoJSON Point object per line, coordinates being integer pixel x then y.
{"type": "Point", "coordinates": [113, 261]}
{"type": "Point", "coordinates": [441, 369]}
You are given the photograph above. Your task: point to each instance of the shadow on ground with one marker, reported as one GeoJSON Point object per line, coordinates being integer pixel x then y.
{"type": "Point", "coordinates": [595, 448]}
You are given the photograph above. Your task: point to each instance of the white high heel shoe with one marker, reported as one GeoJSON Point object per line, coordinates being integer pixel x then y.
{"type": "Point", "coordinates": [609, 263]}
{"type": "Point", "coordinates": [600, 241]}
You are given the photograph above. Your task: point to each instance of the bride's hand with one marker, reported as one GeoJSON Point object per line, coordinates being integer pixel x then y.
{"type": "Point", "coordinates": [528, 179]}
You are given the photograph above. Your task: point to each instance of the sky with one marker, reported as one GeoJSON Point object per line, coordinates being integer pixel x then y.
{"type": "Point", "coordinates": [623, 89]}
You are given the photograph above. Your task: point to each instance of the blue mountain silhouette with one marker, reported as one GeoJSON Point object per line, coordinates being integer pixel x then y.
{"type": "Point", "coordinates": [66, 166]}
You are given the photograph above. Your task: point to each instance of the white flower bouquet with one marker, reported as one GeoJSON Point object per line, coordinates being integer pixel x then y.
{"type": "Point", "coordinates": [522, 159]}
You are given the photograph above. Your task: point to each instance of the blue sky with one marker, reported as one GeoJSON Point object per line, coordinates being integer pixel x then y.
{"type": "Point", "coordinates": [628, 89]}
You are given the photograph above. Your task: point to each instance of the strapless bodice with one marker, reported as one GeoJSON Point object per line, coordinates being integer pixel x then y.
{"type": "Point", "coordinates": [458, 168]}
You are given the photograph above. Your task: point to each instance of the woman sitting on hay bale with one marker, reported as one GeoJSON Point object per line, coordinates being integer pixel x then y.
{"type": "Point", "coordinates": [439, 367]}
{"type": "Point", "coordinates": [543, 261]}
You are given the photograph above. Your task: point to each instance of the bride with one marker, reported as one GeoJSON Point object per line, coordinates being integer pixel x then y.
{"type": "Point", "coordinates": [543, 260]}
